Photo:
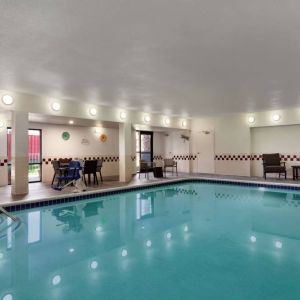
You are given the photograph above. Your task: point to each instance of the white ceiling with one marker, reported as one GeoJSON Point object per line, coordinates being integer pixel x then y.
{"type": "Point", "coordinates": [185, 57]}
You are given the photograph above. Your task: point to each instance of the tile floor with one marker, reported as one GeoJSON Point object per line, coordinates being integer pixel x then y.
{"type": "Point", "coordinates": [38, 191]}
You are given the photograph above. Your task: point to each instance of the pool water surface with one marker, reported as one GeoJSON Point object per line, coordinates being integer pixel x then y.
{"type": "Point", "coordinates": [183, 241]}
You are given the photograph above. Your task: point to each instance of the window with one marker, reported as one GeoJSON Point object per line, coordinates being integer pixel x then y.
{"type": "Point", "coordinates": [34, 153]}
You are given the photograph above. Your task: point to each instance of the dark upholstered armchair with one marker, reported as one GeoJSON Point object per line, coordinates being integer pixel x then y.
{"type": "Point", "coordinates": [273, 164]}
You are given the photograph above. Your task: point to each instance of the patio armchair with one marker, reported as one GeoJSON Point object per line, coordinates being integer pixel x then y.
{"type": "Point", "coordinates": [273, 164]}
{"type": "Point", "coordinates": [170, 163]}
{"type": "Point", "coordinates": [145, 167]}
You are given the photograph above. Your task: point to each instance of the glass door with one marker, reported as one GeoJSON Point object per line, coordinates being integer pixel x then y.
{"type": "Point", "coordinates": [34, 153]}
{"type": "Point", "coordinates": [144, 146]}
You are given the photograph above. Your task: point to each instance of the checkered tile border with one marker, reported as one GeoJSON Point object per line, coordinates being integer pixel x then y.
{"type": "Point", "coordinates": [108, 159]}
{"type": "Point", "coordinates": [3, 162]}
{"type": "Point", "coordinates": [254, 157]}
{"type": "Point", "coordinates": [185, 157]}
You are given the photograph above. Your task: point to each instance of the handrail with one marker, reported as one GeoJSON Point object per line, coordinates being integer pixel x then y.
{"type": "Point", "coordinates": [5, 212]}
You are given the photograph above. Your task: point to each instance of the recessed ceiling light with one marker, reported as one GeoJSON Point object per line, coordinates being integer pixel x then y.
{"type": "Point", "coordinates": [186, 228]}
{"type": "Point", "coordinates": [124, 252]}
{"type": "Point", "coordinates": [276, 117]}
{"type": "Point", "coordinates": [7, 99]}
{"type": "Point", "coordinates": [71, 250]}
{"type": "Point", "coordinates": [183, 123]}
{"type": "Point", "coordinates": [147, 119]}
{"type": "Point", "coordinates": [93, 111]}
{"type": "Point", "coordinates": [123, 115]}
{"type": "Point", "coordinates": [55, 106]}
{"type": "Point", "coordinates": [167, 121]}
{"type": "Point", "coordinates": [251, 119]}
{"type": "Point", "coordinates": [148, 243]}
{"type": "Point", "coordinates": [253, 238]}
{"type": "Point", "coordinates": [71, 122]}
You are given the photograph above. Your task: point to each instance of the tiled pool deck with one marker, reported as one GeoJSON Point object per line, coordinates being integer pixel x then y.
{"type": "Point", "coordinates": [41, 192]}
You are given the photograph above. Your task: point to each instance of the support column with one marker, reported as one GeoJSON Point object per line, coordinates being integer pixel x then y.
{"type": "Point", "coordinates": [3, 152]}
{"type": "Point", "coordinates": [125, 163]}
{"type": "Point", "coordinates": [19, 163]}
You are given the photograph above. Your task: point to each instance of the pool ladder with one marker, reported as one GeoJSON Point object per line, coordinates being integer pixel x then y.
{"type": "Point", "coordinates": [5, 212]}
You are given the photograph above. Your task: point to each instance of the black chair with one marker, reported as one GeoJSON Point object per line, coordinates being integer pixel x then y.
{"type": "Point", "coordinates": [145, 167]}
{"type": "Point", "coordinates": [273, 164]}
{"type": "Point", "coordinates": [99, 167]}
{"type": "Point", "coordinates": [90, 167]}
{"type": "Point", "coordinates": [56, 168]}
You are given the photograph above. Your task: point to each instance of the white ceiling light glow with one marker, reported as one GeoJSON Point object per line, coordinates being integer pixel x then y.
{"type": "Point", "coordinates": [276, 117]}
{"type": "Point", "coordinates": [7, 99]}
{"type": "Point", "coordinates": [55, 106]}
{"type": "Point", "coordinates": [183, 123]}
{"type": "Point", "coordinates": [167, 121]}
{"type": "Point", "coordinates": [8, 297]}
{"type": "Point", "coordinates": [94, 265]}
{"type": "Point", "coordinates": [71, 122]}
{"type": "Point", "coordinates": [124, 253]}
{"type": "Point", "coordinates": [56, 280]}
{"type": "Point", "coordinates": [251, 120]}
{"type": "Point", "coordinates": [93, 111]}
{"type": "Point", "coordinates": [123, 115]}
{"type": "Point", "coordinates": [147, 119]}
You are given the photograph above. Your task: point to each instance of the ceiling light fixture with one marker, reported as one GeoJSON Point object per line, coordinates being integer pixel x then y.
{"type": "Point", "coordinates": [71, 122]}
{"type": "Point", "coordinates": [93, 111]}
{"type": "Point", "coordinates": [123, 115]}
{"type": "Point", "coordinates": [251, 120]}
{"type": "Point", "coordinates": [147, 119]}
{"type": "Point", "coordinates": [7, 99]}
{"type": "Point", "coordinates": [167, 121]}
{"type": "Point", "coordinates": [55, 106]}
{"type": "Point", "coordinates": [183, 123]}
{"type": "Point", "coordinates": [276, 117]}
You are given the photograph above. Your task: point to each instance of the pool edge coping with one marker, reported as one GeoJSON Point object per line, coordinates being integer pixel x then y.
{"type": "Point", "coordinates": [18, 205]}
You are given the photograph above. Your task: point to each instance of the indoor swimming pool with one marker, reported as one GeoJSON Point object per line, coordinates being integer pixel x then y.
{"type": "Point", "coordinates": [190, 240]}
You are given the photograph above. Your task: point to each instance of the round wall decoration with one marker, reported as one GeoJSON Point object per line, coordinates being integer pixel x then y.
{"type": "Point", "coordinates": [65, 135]}
{"type": "Point", "coordinates": [103, 138]}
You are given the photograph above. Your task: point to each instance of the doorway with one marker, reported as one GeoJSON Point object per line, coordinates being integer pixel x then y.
{"type": "Point", "coordinates": [144, 146]}
{"type": "Point", "coordinates": [34, 154]}
{"type": "Point", "coordinates": [205, 150]}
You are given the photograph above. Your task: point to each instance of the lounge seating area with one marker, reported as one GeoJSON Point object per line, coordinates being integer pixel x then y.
{"type": "Point", "coordinates": [272, 164]}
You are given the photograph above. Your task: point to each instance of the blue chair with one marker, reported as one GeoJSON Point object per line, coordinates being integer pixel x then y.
{"type": "Point", "coordinates": [71, 175]}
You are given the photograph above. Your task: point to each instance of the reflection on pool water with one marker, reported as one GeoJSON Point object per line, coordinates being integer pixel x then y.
{"type": "Point", "coordinates": [184, 241]}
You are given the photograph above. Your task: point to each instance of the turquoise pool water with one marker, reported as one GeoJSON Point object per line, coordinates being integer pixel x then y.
{"type": "Point", "coordinates": [185, 241]}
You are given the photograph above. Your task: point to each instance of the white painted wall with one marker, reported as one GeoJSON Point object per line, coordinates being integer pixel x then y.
{"type": "Point", "coordinates": [275, 139]}
{"type": "Point", "coordinates": [53, 146]}
{"type": "Point", "coordinates": [176, 146]}
{"type": "Point", "coordinates": [232, 136]}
